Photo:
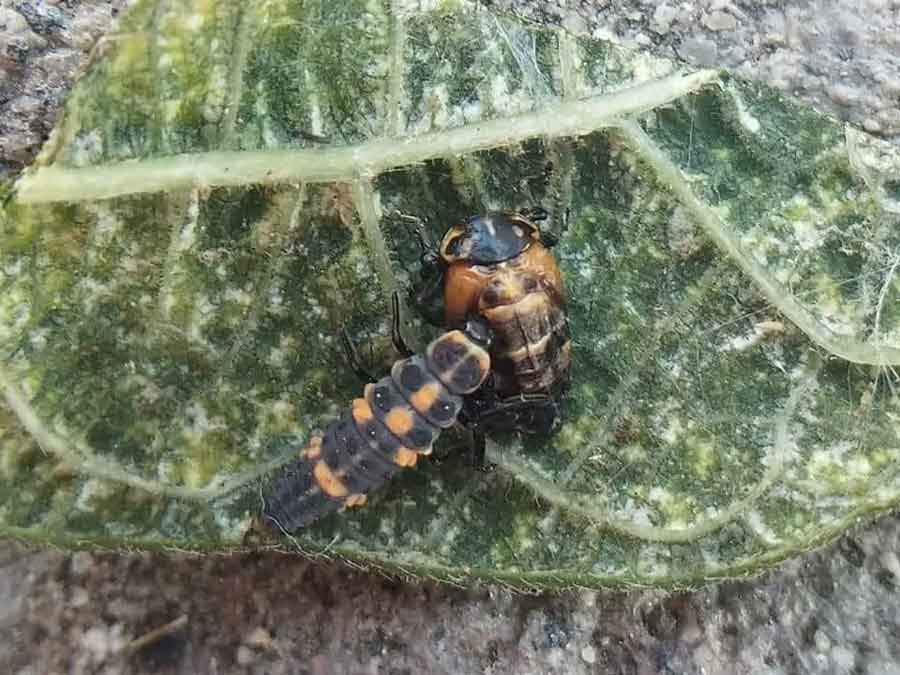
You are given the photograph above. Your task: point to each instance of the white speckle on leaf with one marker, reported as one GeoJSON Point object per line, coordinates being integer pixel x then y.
{"type": "Point", "coordinates": [746, 119]}
{"type": "Point", "coordinates": [838, 466]}
{"type": "Point", "coordinates": [165, 60]}
{"type": "Point", "coordinates": [92, 290]}
{"type": "Point", "coordinates": [315, 309]}
{"type": "Point", "coordinates": [472, 111]}
{"type": "Point", "coordinates": [759, 527]}
{"type": "Point", "coordinates": [13, 267]}
{"type": "Point", "coordinates": [676, 508]}
{"type": "Point", "coordinates": [524, 531]}
{"type": "Point", "coordinates": [315, 109]}
{"type": "Point", "coordinates": [760, 331]}
{"type": "Point", "coordinates": [659, 495]}
{"type": "Point", "coordinates": [203, 311]}
{"type": "Point", "coordinates": [195, 22]}
{"type": "Point", "coordinates": [807, 232]}
{"type": "Point", "coordinates": [672, 432]}
{"type": "Point", "coordinates": [38, 338]}
{"type": "Point", "coordinates": [92, 490]}
{"type": "Point", "coordinates": [275, 300]}
{"type": "Point", "coordinates": [16, 313]}
{"type": "Point", "coordinates": [654, 560]}
{"type": "Point", "coordinates": [212, 110]}
{"type": "Point", "coordinates": [198, 421]}
{"type": "Point", "coordinates": [635, 513]}
{"type": "Point", "coordinates": [148, 392]}
{"type": "Point", "coordinates": [238, 296]}
{"type": "Point", "coordinates": [277, 357]}
{"type": "Point", "coordinates": [87, 148]}
{"type": "Point", "coordinates": [278, 413]}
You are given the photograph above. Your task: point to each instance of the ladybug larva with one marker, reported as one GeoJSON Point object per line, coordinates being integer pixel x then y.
{"type": "Point", "coordinates": [395, 422]}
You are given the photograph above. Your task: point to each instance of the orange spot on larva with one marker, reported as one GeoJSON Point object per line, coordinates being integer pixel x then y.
{"type": "Point", "coordinates": [425, 397]}
{"type": "Point", "coordinates": [405, 457]}
{"type": "Point", "coordinates": [331, 485]}
{"type": "Point", "coordinates": [362, 413]}
{"type": "Point", "coordinates": [399, 421]}
{"type": "Point", "coordinates": [355, 500]}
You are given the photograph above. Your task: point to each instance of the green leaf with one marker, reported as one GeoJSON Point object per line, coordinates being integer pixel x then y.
{"type": "Point", "coordinates": [220, 198]}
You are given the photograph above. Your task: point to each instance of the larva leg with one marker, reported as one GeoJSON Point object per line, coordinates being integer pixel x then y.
{"type": "Point", "coordinates": [352, 355]}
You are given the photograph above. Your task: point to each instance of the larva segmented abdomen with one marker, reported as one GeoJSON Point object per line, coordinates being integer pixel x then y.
{"type": "Point", "coordinates": [398, 419]}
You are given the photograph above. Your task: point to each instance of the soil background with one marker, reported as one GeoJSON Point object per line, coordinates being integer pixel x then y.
{"type": "Point", "coordinates": [832, 611]}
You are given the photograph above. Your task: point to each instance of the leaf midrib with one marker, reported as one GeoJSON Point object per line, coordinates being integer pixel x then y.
{"type": "Point", "coordinates": [228, 168]}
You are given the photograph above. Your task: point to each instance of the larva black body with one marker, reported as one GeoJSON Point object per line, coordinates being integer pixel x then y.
{"type": "Point", "coordinates": [397, 420]}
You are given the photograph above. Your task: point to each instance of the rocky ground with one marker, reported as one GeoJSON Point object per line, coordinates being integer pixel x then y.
{"type": "Point", "coordinates": [833, 611]}
{"type": "Point", "coordinates": [840, 56]}
{"type": "Point", "coordinates": [830, 612]}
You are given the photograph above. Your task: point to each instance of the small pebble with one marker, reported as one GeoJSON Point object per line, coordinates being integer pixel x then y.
{"type": "Point", "coordinates": [889, 119]}
{"type": "Point", "coordinates": [259, 638]}
{"type": "Point", "coordinates": [773, 29]}
{"type": "Point", "coordinates": [244, 655]}
{"type": "Point", "coordinates": [871, 125]}
{"type": "Point", "coordinates": [843, 658]}
{"type": "Point", "coordinates": [81, 563]}
{"type": "Point", "coordinates": [663, 17]}
{"type": "Point", "coordinates": [719, 21]}
{"type": "Point", "coordinates": [891, 563]}
{"type": "Point", "coordinates": [700, 49]}
{"type": "Point", "coordinates": [589, 654]}
{"type": "Point", "coordinates": [79, 597]}
{"type": "Point", "coordinates": [842, 94]}
{"type": "Point", "coordinates": [12, 22]}
{"type": "Point", "coordinates": [575, 23]}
